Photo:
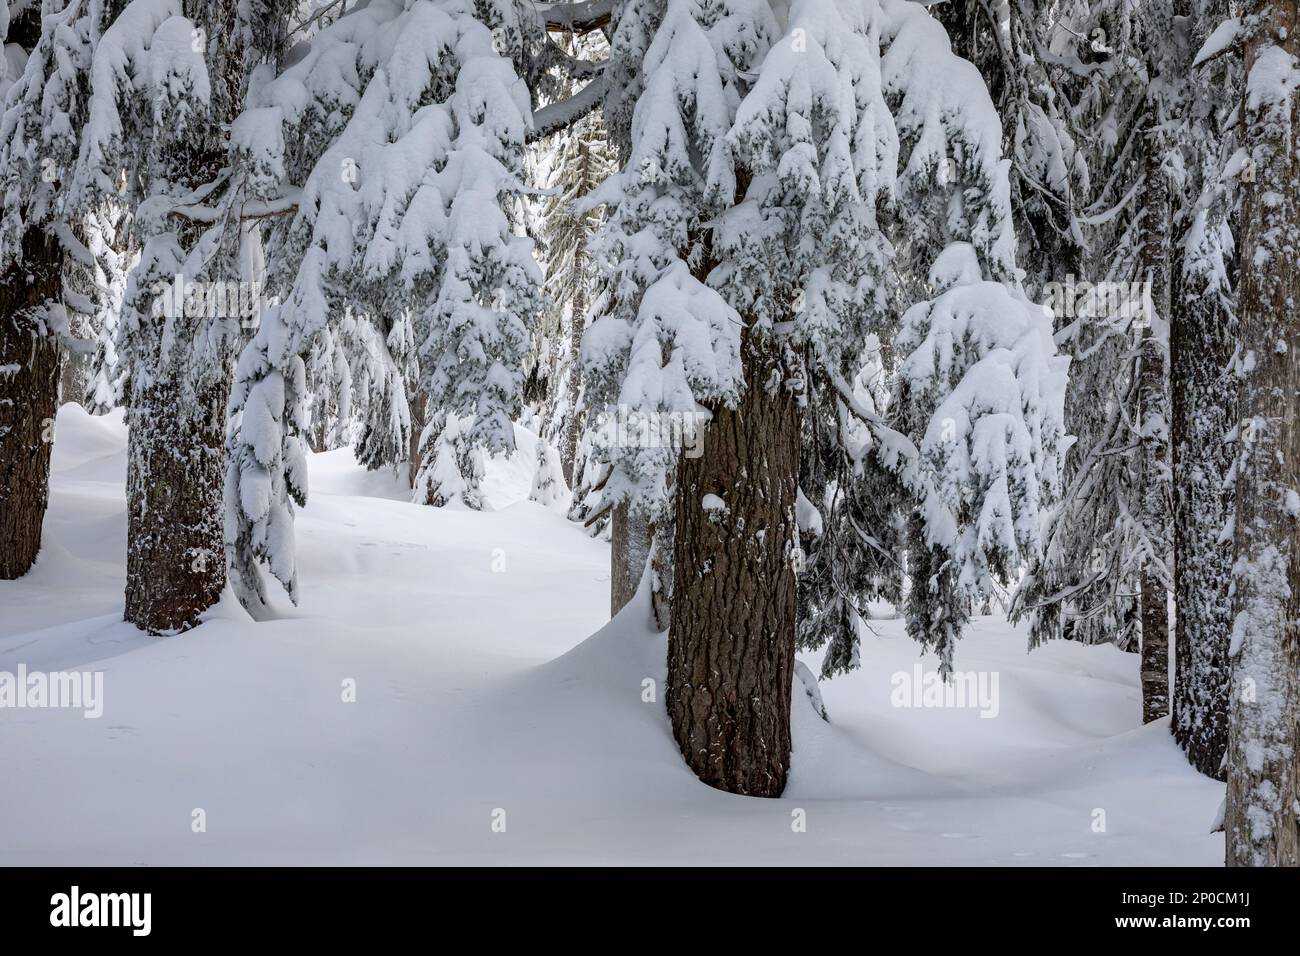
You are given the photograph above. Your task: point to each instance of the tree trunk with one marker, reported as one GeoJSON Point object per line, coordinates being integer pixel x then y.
{"type": "Point", "coordinates": [1262, 813]}
{"type": "Point", "coordinates": [419, 408]}
{"type": "Point", "coordinates": [629, 550]}
{"type": "Point", "coordinates": [1202, 336]}
{"type": "Point", "coordinates": [731, 645]}
{"type": "Point", "coordinates": [573, 420]}
{"type": "Point", "coordinates": [30, 359]}
{"type": "Point", "coordinates": [661, 562]}
{"type": "Point", "coordinates": [175, 481]}
{"type": "Point", "coordinates": [175, 562]}
{"type": "Point", "coordinates": [1157, 260]}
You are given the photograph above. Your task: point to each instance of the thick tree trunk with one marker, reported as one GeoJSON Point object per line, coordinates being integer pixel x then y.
{"type": "Point", "coordinates": [1262, 813]}
{"type": "Point", "coordinates": [629, 550]}
{"type": "Point", "coordinates": [1157, 261]}
{"type": "Point", "coordinates": [1202, 337]}
{"type": "Point", "coordinates": [175, 482]}
{"type": "Point", "coordinates": [731, 645]}
{"type": "Point", "coordinates": [176, 565]}
{"type": "Point", "coordinates": [29, 396]}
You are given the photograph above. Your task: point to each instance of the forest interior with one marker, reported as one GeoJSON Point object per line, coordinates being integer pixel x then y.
{"type": "Point", "coordinates": [707, 432]}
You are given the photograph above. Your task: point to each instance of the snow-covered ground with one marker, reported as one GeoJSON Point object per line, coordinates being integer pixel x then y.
{"type": "Point", "coordinates": [479, 691]}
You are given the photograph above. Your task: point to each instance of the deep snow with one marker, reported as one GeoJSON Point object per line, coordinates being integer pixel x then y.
{"type": "Point", "coordinates": [476, 692]}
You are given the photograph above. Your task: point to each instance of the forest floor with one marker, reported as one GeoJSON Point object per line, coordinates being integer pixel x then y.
{"type": "Point", "coordinates": [489, 728]}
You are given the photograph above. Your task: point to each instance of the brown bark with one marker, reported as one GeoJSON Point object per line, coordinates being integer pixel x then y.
{"type": "Point", "coordinates": [30, 359]}
{"type": "Point", "coordinates": [176, 564]}
{"type": "Point", "coordinates": [731, 646]}
{"type": "Point", "coordinates": [175, 552]}
{"type": "Point", "coordinates": [418, 406]}
{"type": "Point", "coordinates": [661, 561]}
{"type": "Point", "coordinates": [629, 550]}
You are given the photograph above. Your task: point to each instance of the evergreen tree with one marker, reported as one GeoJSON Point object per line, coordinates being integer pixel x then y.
{"type": "Point", "coordinates": [748, 266]}
{"type": "Point", "coordinates": [1262, 814]}
{"type": "Point", "coordinates": [403, 126]}
{"type": "Point", "coordinates": [1203, 336]}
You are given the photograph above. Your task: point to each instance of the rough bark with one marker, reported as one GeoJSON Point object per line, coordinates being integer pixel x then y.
{"type": "Point", "coordinates": [176, 565]}
{"type": "Point", "coordinates": [419, 409]}
{"type": "Point", "coordinates": [731, 646]}
{"type": "Point", "coordinates": [1202, 336]}
{"type": "Point", "coordinates": [1262, 812]}
{"type": "Point", "coordinates": [30, 359]}
{"type": "Point", "coordinates": [628, 553]}
{"type": "Point", "coordinates": [1157, 261]}
{"type": "Point", "coordinates": [176, 407]}
{"type": "Point", "coordinates": [577, 319]}
{"type": "Point", "coordinates": [573, 419]}
{"type": "Point", "coordinates": [661, 562]}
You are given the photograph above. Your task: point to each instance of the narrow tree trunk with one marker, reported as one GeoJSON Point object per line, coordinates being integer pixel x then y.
{"type": "Point", "coordinates": [176, 565]}
{"type": "Point", "coordinates": [1154, 575]}
{"type": "Point", "coordinates": [661, 561]}
{"type": "Point", "coordinates": [29, 397]}
{"type": "Point", "coordinates": [574, 419]}
{"type": "Point", "coordinates": [418, 406]}
{"type": "Point", "coordinates": [629, 550]}
{"type": "Point", "coordinates": [731, 645]}
{"type": "Point", "coordinates": [1262, 814]}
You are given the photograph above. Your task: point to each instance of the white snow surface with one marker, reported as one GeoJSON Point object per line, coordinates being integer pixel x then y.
{"type": "Point", "coordinates": [480, 690]}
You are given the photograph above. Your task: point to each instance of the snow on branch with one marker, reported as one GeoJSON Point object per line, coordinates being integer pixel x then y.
{"type": "Point", "coordinates": [576, 17]}
{"type": "Point", "coordinates": [555, 117]}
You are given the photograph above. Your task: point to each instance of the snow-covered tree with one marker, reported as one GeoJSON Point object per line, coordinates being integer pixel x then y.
{"type": "Point", "coordinates": [574, 162]}
{"type": "Point", "coordinates": [850, 521]}
{"type": "Point", "coordinates": [403, 126]}
{"type": "Point", "coordinates": [1262, 814]}
{"type": "Point", "coordinates": [44, 61]}
{"type": "Point", "coordinates": [982, 393]}
{"type": "Point", "coordinates": [748, 265]}
{"type": "Point", "coordinates": [1202, 340]}
{"type": "Point", "coordinates": [329, 385]}
{"type": "Point", "coordinates": [162, 88]}
{"type": "Point", "coordinates": [1104, 570]}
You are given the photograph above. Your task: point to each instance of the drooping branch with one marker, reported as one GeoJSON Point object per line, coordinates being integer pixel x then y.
{"type": "Point", "coordinates": [259, 209]}
{"type": "Point", "coordinates": [576, 18]}
{"type": "Point", "coordinates": [555, 117]}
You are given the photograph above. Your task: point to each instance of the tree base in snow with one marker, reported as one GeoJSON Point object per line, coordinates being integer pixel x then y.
{"type": "Point", "coordinates": [731, 645]}
{"type": "Point", "coordinates": [176, 564]}
{"type": "Point", "coordinates": [30, 359]}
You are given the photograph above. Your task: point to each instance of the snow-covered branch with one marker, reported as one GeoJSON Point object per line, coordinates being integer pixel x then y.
{"type": "Point", "coordinates": [555, 117]}
{"type": "Point", "coordinates": [576, 17]}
